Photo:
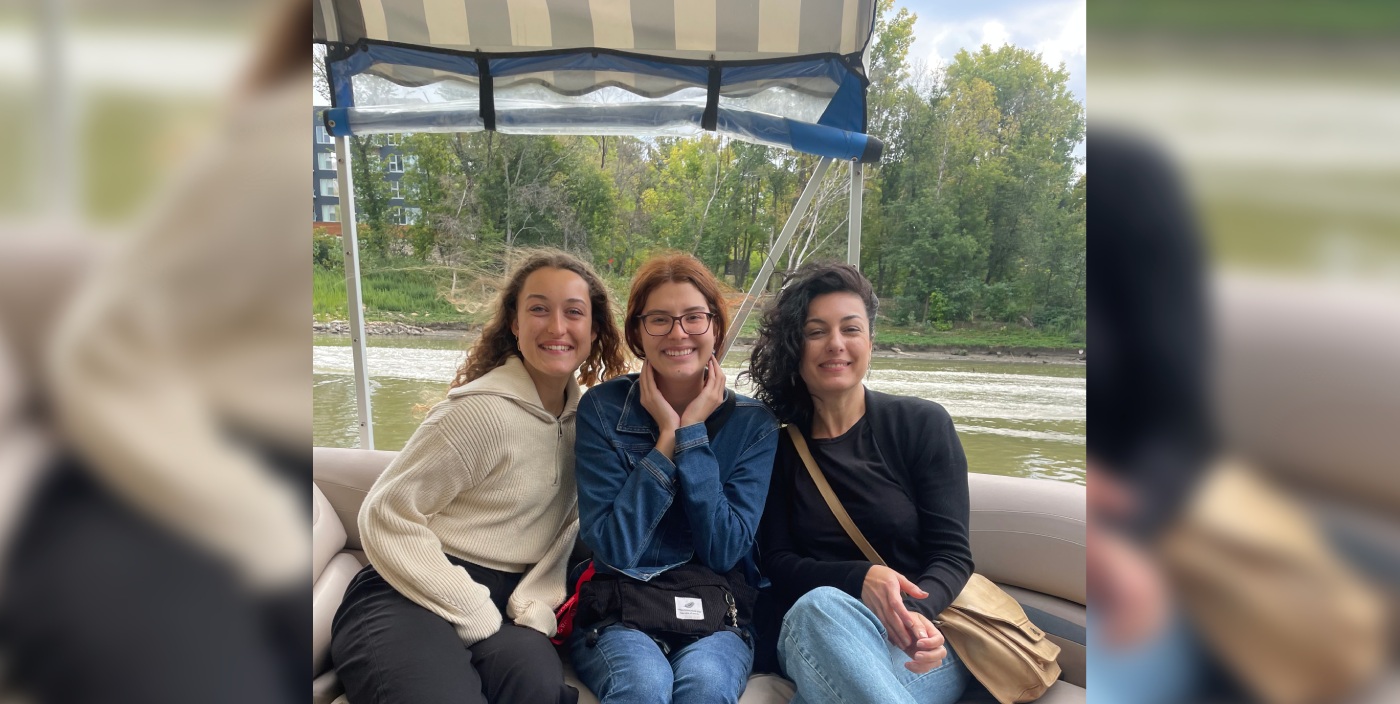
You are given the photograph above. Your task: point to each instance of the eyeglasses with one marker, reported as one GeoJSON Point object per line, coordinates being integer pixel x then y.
{"type": "Point", "coordinates": [660, 324]}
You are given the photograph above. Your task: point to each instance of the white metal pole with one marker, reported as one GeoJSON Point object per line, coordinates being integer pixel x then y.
{"type": "Point", "coordinates": [803, 202]}
{"type": "Point", "coordinates": [853, 225]}
{"type": "Point", "coordinates": [349, 238]}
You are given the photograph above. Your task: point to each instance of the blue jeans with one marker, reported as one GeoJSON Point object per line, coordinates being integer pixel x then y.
{"type": "Point", "coordinates": [1166, 668]}
{"type": "Point", "coordinates": [835, 649]}
{"type": "Point", "coordinates": [627, 666]}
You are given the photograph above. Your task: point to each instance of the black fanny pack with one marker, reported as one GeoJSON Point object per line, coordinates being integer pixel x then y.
{"type": "Point", "coordinates": [676, 608]}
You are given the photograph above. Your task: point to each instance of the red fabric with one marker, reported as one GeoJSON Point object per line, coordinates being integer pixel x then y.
{"type": "Point", "coordinates": [564, 615]}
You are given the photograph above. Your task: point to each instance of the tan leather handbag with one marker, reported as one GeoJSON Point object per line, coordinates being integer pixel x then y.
{"type": "Point", "coordinates": [990, 632]}
{"type": "Point", "coordinates": [1292, 620]}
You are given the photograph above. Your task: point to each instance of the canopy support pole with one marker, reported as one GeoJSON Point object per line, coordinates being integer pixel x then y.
{"type": "Point", "coordinates": [350, 239]}
{"type": "Point", "coordinates": [798, 211]}
{"type": "Point", "coordinates": [853, 224]}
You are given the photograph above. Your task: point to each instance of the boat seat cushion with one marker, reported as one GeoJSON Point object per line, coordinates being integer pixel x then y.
{"type": "Point", "coordinates": [1029, 534]}
{"type": "Point", "coordinates": [331, 571]}
{"type": "Point", "coordinates": [346, 476]}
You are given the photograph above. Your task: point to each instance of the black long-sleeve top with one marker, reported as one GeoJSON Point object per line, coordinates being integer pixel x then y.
{"type": "Point", "coordinates": [902, 475]}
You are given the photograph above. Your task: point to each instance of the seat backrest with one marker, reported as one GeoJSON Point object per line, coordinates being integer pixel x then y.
{"type": "Point", "coordinates": [1317, 409]}
{"type": "Point", "coordinates": [345, 476]}
{"type": "Point", "coordinates": [1030, 533]}
{"type": "Point", "coordinates": [39, 273]}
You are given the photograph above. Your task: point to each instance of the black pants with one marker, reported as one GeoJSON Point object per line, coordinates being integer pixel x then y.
{"type": "Point", "coordinates": [387, 649]}
{"type": "Point", "coordinates": [102, 605]}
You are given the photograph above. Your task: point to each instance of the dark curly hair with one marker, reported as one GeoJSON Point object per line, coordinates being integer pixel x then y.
{"type": "Point", "coordinates": [776, 363]}
{"type": "Point", "coordinates": [497, 343]}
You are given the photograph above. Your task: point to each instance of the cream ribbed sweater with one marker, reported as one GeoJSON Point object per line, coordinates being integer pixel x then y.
{"type": "Point", "coordinates": [488, 478]}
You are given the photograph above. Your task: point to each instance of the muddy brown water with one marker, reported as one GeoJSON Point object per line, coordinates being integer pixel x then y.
{"type": "Point", "coordinates": [1017, 419]}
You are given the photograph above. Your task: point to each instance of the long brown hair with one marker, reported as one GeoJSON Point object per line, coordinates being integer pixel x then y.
{"type": "Point", "coordinates": [673, 268]}
{"type": "Point", "coordinates": [497, 342]}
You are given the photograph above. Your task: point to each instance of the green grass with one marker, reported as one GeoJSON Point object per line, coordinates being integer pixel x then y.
{"type": "Point", "coordinates": [981, 336]}
{"type": "Point", "coordinates": [404, 291]}
{"type": "Point", "coordinates": [394, 292]}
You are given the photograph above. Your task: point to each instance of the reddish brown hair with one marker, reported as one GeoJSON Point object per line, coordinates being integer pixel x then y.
{"type": "Point", "coordinates": [673, 268]}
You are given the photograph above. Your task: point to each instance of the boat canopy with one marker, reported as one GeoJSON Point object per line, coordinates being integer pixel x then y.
{"type": "Point", "coordinates": [785, 73]}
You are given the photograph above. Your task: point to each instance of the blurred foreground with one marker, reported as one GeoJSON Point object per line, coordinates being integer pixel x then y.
{"type": "Point", "coordinates": [154, 420]}
{"type": "Point", "coordinates": [1245, 238]}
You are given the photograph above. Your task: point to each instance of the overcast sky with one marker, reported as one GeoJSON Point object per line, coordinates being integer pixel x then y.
{"type": "Point", "coordinates": [1055, 28]}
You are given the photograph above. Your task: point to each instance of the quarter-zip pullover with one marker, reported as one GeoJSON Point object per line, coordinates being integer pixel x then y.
{"type": "Point", "coordinates": [489, 478]}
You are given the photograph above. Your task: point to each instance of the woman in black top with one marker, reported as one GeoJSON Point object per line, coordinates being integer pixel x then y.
{"type": "Point", "coordinates": [855, 631]}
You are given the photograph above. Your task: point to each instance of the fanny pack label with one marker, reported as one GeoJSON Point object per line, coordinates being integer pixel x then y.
{"type": "Point", "coordinates": [689, 609]}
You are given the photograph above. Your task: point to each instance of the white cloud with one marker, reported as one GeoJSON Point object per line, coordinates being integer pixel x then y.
{"type": "Point", "coordinates": [934, 56]}
{"type": "Point", "coordinates": [1070, 42]}
{"type": "Point", "coordinates": [994, 34]}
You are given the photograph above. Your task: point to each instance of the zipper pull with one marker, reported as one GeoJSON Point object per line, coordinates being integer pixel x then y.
{"type": "Point", "coordinates": [733, 610]}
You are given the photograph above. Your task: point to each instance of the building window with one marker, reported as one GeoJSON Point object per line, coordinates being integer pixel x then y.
{"type": "Point", "coordinates": [322, 136]}
{"type": "Point", "coordinates": [396, 189]}
{"type": "Point", "coordinates": [411, 215]}
{"type": "Point", "coordinates": [330, 213]}
{"type": "Point", "coordinates": [330, 187]}
{"type": "Point", "coordinates": [395, 164]}
{"type": "Point", "coordinates": [325, 161]}
{"type": "Point", "coordinates": [410, 161]}
{"type": "Point", "coordinates": [391, 140]}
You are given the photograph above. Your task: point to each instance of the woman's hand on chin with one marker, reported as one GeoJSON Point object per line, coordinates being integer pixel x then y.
{"type": "Point", "coordinates": [710, 398]}
{"type": "Point", "coordinates": [657, 405]}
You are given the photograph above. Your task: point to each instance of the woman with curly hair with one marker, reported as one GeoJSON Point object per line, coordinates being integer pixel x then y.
{"type": "Point", "coordinates": [469, 529]}
{"type": "Point", "coordinates": [854, 631]}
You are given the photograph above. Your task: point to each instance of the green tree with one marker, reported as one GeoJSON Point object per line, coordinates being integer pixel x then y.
{"type": "Point", "coordinates": [435, 184]}
{"type": "Point", "coordinates": [376, 232]}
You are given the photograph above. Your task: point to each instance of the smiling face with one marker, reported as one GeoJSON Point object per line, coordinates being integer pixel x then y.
{"type": "Point", "coordinates": [677, 355]}
{"type": "Point", "coordinates": [836, 343]}
{"type": "Point", "coordinates": [553, 322]}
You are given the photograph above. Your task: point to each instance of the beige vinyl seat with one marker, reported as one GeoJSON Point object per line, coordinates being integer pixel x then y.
{"type": "Point", "coordinates": [1026, 534]}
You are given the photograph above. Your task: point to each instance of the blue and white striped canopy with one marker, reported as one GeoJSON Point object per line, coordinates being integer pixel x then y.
{"type": "Point", "coordinates": [789, 73]}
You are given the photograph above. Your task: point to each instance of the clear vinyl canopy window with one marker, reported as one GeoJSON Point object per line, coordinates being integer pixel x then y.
{"type": "Point", "coordinates": [787, 73]}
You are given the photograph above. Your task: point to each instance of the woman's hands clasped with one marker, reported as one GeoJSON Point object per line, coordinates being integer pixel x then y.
{"type": "Point", "coordinates": [883, 592]}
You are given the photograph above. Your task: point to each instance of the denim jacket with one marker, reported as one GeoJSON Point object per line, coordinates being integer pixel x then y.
{"type": "Point", "coordinates": [642, 513]}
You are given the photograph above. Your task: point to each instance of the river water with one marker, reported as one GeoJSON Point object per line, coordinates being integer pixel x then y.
{"type": "Point", "coordinates": [1014, 418]}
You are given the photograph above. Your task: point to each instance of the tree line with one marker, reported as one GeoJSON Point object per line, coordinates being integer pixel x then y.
{"type": "Point", "coordinates": [975, 213]}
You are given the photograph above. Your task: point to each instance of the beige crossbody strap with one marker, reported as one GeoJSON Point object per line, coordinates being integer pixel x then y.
{"type": "Point", "coordinates": [831, 501]}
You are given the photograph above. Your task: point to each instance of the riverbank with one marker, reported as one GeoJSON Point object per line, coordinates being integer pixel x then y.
{"type": "Point", "coordinates": [892, 344]}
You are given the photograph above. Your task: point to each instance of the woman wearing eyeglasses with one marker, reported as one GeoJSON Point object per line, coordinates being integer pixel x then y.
{"type": "Point", "coordinates": [672, 472]}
